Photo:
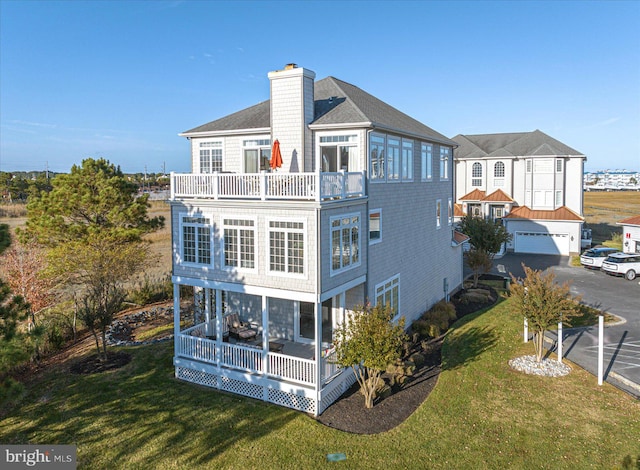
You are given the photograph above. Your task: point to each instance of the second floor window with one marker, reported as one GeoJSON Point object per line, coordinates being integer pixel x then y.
{"type": "Point", "coordinates": [196, 239]}
{"type": "Point", "coordinates": [239, 243]}
{"type": "Point", "coordinates": [210, 157]}
{"type": "Point", "coordinates": [345, 242]}
{"type": "Point", "coordinates": [476, 174]}
{"type": "Point", "coordinates": [407, 160]}
{"type": "Point", "coordinates": [286, 247]}
{"type": "Point", "coordinates": [427, 155]}
{"type": "Point", "coordinates": [257, 154]}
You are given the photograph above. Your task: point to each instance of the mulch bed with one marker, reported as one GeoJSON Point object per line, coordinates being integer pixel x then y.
{"type": "Point", "coordinates": [94, 364]}
{"type": "Point", "coordinates": [349, 414]}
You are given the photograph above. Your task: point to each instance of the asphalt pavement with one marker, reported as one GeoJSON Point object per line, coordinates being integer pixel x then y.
{"type": "Point", "coordinates": [614, 295]}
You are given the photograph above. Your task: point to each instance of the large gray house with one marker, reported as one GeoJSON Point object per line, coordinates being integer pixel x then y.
{"type": "Point", "coordinates": [297, 210]}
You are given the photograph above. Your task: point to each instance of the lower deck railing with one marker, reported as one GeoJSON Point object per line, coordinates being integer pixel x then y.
{"type": "Point", "coordinates": [251, 359]}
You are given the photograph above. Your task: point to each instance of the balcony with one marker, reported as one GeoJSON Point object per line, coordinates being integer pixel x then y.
{"type": "Point", "coordinates": [268, 186]}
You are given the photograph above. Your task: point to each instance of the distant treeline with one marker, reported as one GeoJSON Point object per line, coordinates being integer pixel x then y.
{"type": "Point", "coordinates": [15, 186]}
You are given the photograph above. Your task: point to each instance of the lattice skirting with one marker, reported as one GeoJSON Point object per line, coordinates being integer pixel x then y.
{"type": "Point", "coordinates": [335, 389]}
{"type": "Point", "coordinates": [261, 392]}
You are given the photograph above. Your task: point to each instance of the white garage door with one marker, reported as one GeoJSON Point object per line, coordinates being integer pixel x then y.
{"type": "Point", "coordinates": [543, 243]}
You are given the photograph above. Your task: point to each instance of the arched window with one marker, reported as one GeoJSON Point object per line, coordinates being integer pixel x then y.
{"type": "Point", "coordinates": [498, 170]}
{"type": "Point", "coordinates": [476, 174]}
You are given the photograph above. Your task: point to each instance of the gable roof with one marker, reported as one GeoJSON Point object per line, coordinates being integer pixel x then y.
{"type": "Point", "coordinates": [457, 210]}
{"type": "Point", "coordinates": [498, 196]}
{"type": "Point", "coordinates": [633, 220]}
{"type": "Point", "coordinates": [516, 144]}
{"type": "Point", "coordinates": [561, 213]}
{"type": "Point", "coordinates": [459, 238]}
{"type": "Point", "coordinates": [335, 102]}
{"type": "Point", "coordinates": [475, 195]}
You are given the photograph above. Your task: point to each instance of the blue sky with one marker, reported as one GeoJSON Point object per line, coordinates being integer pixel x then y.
{"type": "Point", "coordinates": [121, 79]}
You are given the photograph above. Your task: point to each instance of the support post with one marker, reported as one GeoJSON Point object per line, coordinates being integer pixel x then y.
{"type": "Point", "coordinates": [207, 312]}
{"type": "Point", "coordinates": [219, 331]}
{"type": "Point", "coordinates": [526, 330]}
{"type": "Point", "coordinates": [176, 318]}
{"type": "Point", "coordinates": [600, 348]}
{"type": "Point", "coordinates": [559, 341]}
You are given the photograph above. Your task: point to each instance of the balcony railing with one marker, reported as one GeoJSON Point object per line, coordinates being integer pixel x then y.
{"type": "Point", "coordinates": [268, 186]}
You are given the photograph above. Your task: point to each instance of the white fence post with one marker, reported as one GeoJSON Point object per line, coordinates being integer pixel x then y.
{"type": "Point", "coordinates": [600, 348]}
{"type": "Point", "coordinates": [559, 341]}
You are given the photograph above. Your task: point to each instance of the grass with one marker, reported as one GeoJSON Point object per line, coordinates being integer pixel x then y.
{"type": "Point", "coordinates": [481, 414]}
{"type": "Point", "coordinates": [602, 210]}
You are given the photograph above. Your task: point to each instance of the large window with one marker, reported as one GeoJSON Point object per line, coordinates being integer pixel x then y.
{"type": "Point", "coordinates": [286, 247]}
{"type": "Point", "coordinates": [375, 226]}
{"type": "Point", "coordinates": [427, 163]}
{"type": "Point", "coordinates": [445, 154]}
{"type": "Point", "coordinates": [257, 154]}
{"type": "Point", "coordinates": [377, 157]}
{"type": "Point", "coordinates": [196, 239]}
{"type": "Point", "coordinates": [393, 158]}
{"type": "Point", "coordinates": [239, 243]}
{"type": "Point", "coordinates": [339, 152]}
{"type": "Point", "coordinates": [345, 242]}
{"type": "Point", "coordinates": [390, 158]}
{"type": "Point", "coordinates": [388, 293]}
{"type": "Point", "coordinates": [210, 157]}
{"type": "Point", "coordinates": [476, 174]}
{"type": "Point", "coordinates": [407, 160]}
{"type": "Point", "coordinates": [498, 174]}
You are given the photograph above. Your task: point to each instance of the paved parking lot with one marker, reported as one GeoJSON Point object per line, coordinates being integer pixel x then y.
{"type": "Point", "coordinates": [615, 295]}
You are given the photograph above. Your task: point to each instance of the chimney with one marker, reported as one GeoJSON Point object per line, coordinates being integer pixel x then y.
{"type": "Point", "coordinates": [292, 110]}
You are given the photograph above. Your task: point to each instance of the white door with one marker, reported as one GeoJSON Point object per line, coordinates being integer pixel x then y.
{"type": "Point", "coordinates": [542, 243]}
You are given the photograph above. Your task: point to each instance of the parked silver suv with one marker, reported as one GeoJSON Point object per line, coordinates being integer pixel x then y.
{"type": "Point", "coordinates": [623, 264]}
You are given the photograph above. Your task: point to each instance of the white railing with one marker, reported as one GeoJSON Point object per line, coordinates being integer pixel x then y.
{"type": "Point", "coordinates": [201, 349]}
{"type": "Point", "coordinates": [241, 357]}
{"type": "Point", "coordinates": [292, 368]}
{"type": "Point", "coordinates": [267, 186]}
{"type": "Point", "coordinates": [328, 366]}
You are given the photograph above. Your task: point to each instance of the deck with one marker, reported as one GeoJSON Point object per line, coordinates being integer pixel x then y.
{"type": "Point", "coordinates": [268, 186]}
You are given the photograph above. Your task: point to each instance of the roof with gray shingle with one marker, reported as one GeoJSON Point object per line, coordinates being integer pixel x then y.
{"type": "Point", "coordinates": [336, 102]}
{"type": "Point", "coordinates": [516, 144]}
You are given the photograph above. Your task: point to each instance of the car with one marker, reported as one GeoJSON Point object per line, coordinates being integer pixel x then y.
{"type": "Point", "coordinates": [594, 257]}
{"type": "Point", "coordinates": [623, 264]}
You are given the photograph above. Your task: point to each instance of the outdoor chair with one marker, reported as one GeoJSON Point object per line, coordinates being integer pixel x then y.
{"type": "Point", "coordinates": [238, 329]}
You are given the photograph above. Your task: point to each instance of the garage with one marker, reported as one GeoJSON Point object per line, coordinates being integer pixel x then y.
{"type": "Point", "coordinates": [542, 243]}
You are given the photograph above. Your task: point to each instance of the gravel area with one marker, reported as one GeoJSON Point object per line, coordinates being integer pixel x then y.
{"type": "Point", "coordinates": [546, 367]}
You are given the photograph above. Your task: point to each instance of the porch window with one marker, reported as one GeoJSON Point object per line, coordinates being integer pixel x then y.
{"type": "Point", "coordinates": [239, 243]}
{"type": "Point", "coordinates": [445, 154]}
{"type": "Point", "coordinates": [345, 242]}
{"type": "Point", "coordinates": [196, 239]}
{"type": "Point", "coordinates": [339, 152]}
{"type": "Point", "coordinates": [388, 293]}
{"type": "Point", "coordinates": [286, 247]}
{"type": "Point", "coordinates": [257, 154]}
{"type": "Point", "coordinates": [427, 157]}
{"type": "Point", "coordinates": [375, 226]}
{"type": "Point", "coordinates": [210, 157]}
{"type": "Point", "coordinates": [476, 174]}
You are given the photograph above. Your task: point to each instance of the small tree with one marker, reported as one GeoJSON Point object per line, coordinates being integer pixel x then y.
{"type": "Point", "coordinates": [484, 234]}
{"type": "Point", "coordinates": [542, 302]}
{"type": "Point", "coordinates": [479, 261]}
{"type": "Point", "coordinates": [368, 342]}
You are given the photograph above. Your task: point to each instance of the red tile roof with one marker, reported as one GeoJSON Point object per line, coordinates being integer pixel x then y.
{"type": "Point", "coordinates": [561, 213]}
{"type": "Point", "coordinates": [475, 195]}
{"type": "Point", "coordinates": [459, 238]}
{"type": "Point", "coordinates": [634, 220]}
{"type": "Point", "coordinates": [498, 196]}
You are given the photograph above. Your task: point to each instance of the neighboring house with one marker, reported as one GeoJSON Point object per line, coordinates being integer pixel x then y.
{"type": "Point", "coordinates": [359, 208]}
{"type": "Point", "coordinates": [531, 181]}
{"type": "Point", "coordinates": [631, 234]}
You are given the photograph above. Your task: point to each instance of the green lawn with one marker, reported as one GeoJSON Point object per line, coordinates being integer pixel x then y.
{"type": "Point", "coordinates": [480, 415]}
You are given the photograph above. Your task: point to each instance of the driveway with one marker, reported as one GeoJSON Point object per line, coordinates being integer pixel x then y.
{"type": "Point", "coordinates": [612, 294]}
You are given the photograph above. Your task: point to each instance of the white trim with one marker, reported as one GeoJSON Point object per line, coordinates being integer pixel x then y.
{"type": "Point", "coordinates": [342, 288]}
{"type": "Point", "coordinates": [180, 251]}
{"type": "Point", "coordinates": [228, 133]}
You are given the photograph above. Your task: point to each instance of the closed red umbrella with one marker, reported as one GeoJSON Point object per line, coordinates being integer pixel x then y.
{"type": "Point", "coordinates": [276, 156]}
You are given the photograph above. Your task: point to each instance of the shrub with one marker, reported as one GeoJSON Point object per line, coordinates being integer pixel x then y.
{"type": "Point", "coordinates": [149, 290]}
